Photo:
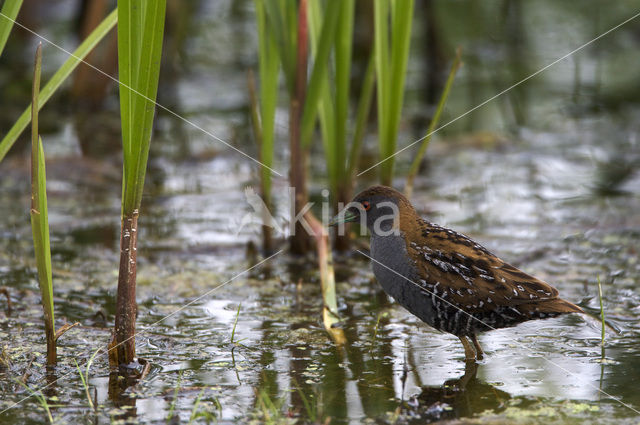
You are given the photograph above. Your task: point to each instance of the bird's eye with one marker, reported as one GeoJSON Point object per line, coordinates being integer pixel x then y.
{"type": "Point", "coordinates": [366, 205]}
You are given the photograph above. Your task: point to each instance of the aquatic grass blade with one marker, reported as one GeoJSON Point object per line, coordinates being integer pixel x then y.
{"type": "Point", "coordinates": [39, 217]}
{"type": "Point", "coordinates": [40, 230]}
{"type": "Point", "coordinates": [268, 69]}
{"type": "Point", "coordinates": [84, 380]}
{"type": "Point", "coordinates": [362, 115]}
{"type": "Point", "coordinates": [415, 165]}
{"type": "Point", "coordinates": [194, 409]}
{"type": "Point", "coordinates": [326, 112]}
{"type": "Point", "coordinates": [318, 71]}
{"type": "Point", "coordinates": [126, 48]}
{"type": "Point", "coordinates": [381, 48]}
{"type": "Point", "coordinates": [402, 13]}
{"type": "Point", "coordinates": [602, 335]}
{"type": "Point", "coordinates": [38, 395]}
{"type": "Point", "coordinates": [235, 323]}
{"type": "Point", "coordinates": [301, 241]}
{"type": "Point", "coordinates": [392, 55]}
{"type": "Point", "coordinates": [58, 79]}
{"type": "Point", "coordinates": [176, 391]}
{"type": "Point", "coordinates": [10, 10]}
{"type": "Point", "coordinates": [140, 71]}
{"type": "Point", "coordinates": [343, 57]}
{"type": "Point", "coordinates": [311, 408]}
{"type": "Point", "coordinates": [269, 66]}
{"type": "Point", "coordinates": [281, 18]}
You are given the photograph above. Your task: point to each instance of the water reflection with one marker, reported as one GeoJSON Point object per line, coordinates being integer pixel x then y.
{"type": "Point", "coordinates": [464, 396]}
{"type": "Point", "coordinates": [117, 392]}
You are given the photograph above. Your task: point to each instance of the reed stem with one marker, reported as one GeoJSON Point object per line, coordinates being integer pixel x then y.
{"type": "Point", "coordinates": [140, 35]}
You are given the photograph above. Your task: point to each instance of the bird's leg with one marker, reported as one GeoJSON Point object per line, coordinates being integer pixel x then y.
{"type": "Point", "coordinates": [474, 339]}
{"type": "Point", "coordinates": [469, 354]}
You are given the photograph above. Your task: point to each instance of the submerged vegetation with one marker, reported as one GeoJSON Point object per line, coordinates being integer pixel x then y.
{"type": "Point", "coordinates": [326, 94]}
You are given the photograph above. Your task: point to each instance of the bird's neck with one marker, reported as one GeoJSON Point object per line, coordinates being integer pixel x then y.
{"type": "Point", "coordinates": [408, 220]}
{"type": "Point", "coordinates": [403, 223]}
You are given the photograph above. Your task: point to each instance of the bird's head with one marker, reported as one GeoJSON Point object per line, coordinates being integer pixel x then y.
{"type": "Point", "coordinates": [379, 208]}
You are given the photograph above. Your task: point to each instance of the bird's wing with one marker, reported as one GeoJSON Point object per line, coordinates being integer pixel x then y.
{"type": "Point", "coordinates": [468, 275]}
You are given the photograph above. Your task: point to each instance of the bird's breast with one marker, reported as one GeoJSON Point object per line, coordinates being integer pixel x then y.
{"type": "Point", "coordinates": [398, 276]}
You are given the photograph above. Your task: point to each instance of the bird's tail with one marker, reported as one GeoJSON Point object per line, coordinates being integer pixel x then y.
{"type": "Point", "coordinates": [551, 307]}
{"type": "Point", "coordinates": [558, 306]}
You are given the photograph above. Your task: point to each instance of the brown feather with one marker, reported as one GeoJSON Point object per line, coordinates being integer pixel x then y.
{"type": "Point", "coordinates": [477, 280]}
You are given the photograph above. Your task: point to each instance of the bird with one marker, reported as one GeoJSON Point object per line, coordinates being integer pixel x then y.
{"type": "Point", "coordinates": [443, 277]}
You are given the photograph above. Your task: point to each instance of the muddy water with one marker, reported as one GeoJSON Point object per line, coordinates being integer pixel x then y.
{"type": "Point", "coordinates": [556, 195]}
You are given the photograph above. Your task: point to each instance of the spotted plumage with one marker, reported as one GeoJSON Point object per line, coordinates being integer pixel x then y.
{"type": "Point", "coordinates": [446, 279]}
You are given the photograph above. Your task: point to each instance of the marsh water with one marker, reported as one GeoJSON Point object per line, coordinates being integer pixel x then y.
{"type": "Point", "coordinates": [545, 176]}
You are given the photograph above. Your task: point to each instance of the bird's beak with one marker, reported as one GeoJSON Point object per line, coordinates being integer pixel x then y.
{"type": "Point", "coordinates": [344, 216]}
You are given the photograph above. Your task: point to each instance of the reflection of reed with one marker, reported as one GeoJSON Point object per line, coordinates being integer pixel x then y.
{"type": "Point", "coordinates": [117, 394]}
{"type": "Point", "coordinates": [370, 369]}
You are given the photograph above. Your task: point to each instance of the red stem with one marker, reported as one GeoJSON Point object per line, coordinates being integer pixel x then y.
{"type": "Point", "coordinates": [122, 349]}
